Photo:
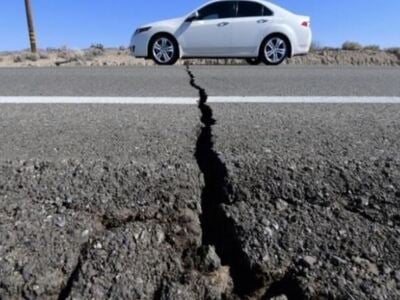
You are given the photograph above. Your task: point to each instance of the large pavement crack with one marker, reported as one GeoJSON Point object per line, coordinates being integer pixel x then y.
{"type": "Point", "coordinates": [218, 229]}
{"type": "Point", "coordinates": [65, 292]}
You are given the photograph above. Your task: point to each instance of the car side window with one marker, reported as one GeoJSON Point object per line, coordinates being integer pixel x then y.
{"type": "Point", "coordinates": [218, 10]}
{"type": "Point", "coordinates": [252, 9]}
{"type": "Point", "coordinates": [267, 12]}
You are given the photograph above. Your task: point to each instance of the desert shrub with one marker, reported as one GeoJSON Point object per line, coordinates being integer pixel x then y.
{"type": "Point", "coordinates": [93, 52]}
{"type": "Point", "coordinates": [97, 46]}
{"type": "Point", "coordinates": [18, 58]}
{"type": "Point", "coordinates": [31, 56]}
{"type": "Point", "coordinates": [395, 51]}
{"type": "Point", "coordinates": [70, 55]}
{"type": "Point", "coordinates": [63, 53]}
{"type": "Point", "coordinates": [372, 48]}
{"type": "Point", "coordinates": [330, 49]}
{"type": "Point", "coordinates": [352, 46]}
{"type": "Point", "coordinates": [43, 55]}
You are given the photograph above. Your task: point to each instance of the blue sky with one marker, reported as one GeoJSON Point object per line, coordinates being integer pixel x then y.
{"type": "Point", "coordinates": [78, 23]}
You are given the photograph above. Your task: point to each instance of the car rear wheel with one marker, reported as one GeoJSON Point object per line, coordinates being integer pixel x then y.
{"type": "Point", "coordinates": [164, 50]}
{"type": "Point", "coordinates": [274, 50]}
{"type": "Point", "coordinates": [253, 61]}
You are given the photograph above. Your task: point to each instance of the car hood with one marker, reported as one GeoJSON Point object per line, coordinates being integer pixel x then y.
{"type": "Point", "coordinates": [169, 23]}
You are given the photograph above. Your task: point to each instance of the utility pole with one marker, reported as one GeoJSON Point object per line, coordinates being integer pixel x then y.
{"type": "Point", "coordinates": [31, 29]}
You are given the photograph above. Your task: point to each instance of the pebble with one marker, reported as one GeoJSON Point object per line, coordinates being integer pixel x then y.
{"type": "Point", "coordinates": [210, 259]}
{"type": "Point", "coordinates": [281, 205]}
{"type": "Point", "coordinates": [60, 221]}
{"type": "Point", "coordinates": [309, 260]}
{"type": "Point", "coordinates": [280, 297]}
{"type": "Point", "coordinates": [85, 233]}
{"type": "Point", "coordinates": [268, 231]}
{"type": "Point", "coordinates": [267, 150]}
{"type": "Point", "coordinates": [160, 236]}
{"type": "Point", "coordinates": [336, 260]}
{"type": "Point", "coordinates": [374, 251]}
{"type": "Point", "coordinates": [387, 270]}
{"type": "Point", "coordinates": [36, 287]}
{"type": "Point", "coordinates": [397, 276]}
{"type": "Point", "coordinates": [364, 201]}
{"type": "Point", "coordinates": [369, 266]}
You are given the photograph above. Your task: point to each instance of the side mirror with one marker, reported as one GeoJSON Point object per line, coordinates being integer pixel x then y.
{"type": "Point", "coordinates": [194, 16]}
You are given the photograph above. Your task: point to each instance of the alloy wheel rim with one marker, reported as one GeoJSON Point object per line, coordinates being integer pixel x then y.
{"type": "Point", "coordinates": [163, 50]}
{"type": "Point", "coordinates": [275, 50]}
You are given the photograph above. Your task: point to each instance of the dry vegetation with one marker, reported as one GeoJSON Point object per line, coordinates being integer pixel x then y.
{"type": "Point", "coordinates": [351, 53]}
{"type": "Point", "coordinates": [394, 51]}
{"type": "Point", "coordinates": [372, 48]}
{"type": "Point", "coordinates": [351, 46]}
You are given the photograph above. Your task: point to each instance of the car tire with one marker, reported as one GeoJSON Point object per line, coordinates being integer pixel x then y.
{"type": "Point", "coordinates": [164, 50]}
{"type": "Point", "coordinates": [254, 61]}
{"type": "Point", "coordinates": [274, 50]}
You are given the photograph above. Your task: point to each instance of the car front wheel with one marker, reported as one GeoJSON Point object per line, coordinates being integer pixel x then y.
{"type": "Point", "coordinates": [164, 50]}
{"type": "Point", "coordinates": [274, 50]}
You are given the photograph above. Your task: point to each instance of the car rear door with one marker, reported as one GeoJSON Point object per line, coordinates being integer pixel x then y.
{"type": "Point", "coordinates": [249, 28]}
{"type": "Point", "coordinates": [210, 35]}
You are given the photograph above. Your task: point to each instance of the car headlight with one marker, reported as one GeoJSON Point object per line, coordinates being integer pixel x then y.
{"type": "Point", "coordinates": [142, 29]}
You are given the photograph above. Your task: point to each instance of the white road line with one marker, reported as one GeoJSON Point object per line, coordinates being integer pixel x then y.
{"type": "Point", "coordinates": [305, 99]}
{"type": "Point", "coordinates": [97, 100]}
{"type": "Point", "coordinates": [193, 100]}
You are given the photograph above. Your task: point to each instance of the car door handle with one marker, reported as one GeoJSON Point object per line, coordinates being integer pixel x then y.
{"type": "Point", "coordinates": [222, 24]}
{"type": "Point", "coordinates": [262, 21]}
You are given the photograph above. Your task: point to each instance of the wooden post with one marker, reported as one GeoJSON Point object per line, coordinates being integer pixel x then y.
{"type": "Point", "coordinates": [31, 29]}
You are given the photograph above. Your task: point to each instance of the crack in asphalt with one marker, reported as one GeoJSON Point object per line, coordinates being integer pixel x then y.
{"type": "Point", "coordinates": [218, 229]}
{"type": "Point", "coordinates": [74, 276]}
{"type": "Point", "coordinates": [112, 222]}
{"type": "Point", "coordinates": [288, 285]}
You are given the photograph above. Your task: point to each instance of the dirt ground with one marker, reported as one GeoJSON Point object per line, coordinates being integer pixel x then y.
{"type": "Point", "coordinates": [121, 57]}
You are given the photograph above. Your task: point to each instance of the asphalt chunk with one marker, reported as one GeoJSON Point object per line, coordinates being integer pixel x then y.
{"type": "Point", "coordinates": [315, 206]}
{"type": "Point", "coordinates": [125, 229]}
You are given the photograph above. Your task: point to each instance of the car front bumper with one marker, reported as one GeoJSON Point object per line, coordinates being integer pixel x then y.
{"type": "Point", "coordinates": [139, 44]}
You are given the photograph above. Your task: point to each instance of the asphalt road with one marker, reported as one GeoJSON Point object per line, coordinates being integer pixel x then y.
{"type": "Point", "coordinates": [185, 202]}
{"type": "Point", "coordinates": [219, 81]}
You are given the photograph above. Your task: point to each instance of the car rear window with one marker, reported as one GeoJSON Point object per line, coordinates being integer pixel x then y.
{"type": "Point", "coordinates": [252, 9]}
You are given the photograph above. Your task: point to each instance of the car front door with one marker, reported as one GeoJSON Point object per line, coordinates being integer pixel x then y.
{"type": "Point", "coordinates": [249, 28]}
{"type": "Point", "coordinates": [210, 34]}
